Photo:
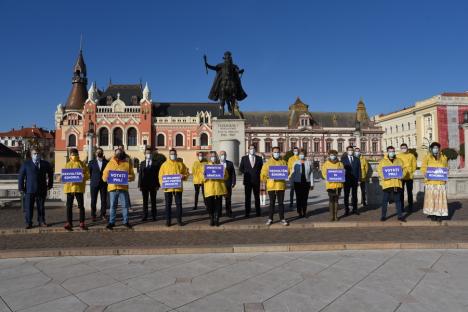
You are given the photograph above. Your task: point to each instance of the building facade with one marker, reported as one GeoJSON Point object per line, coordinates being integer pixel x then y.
{"type": "Point", "coordinates": [21, 140]}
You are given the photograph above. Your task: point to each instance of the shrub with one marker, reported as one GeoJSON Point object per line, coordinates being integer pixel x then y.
{"type": "Point", "coordinates": [450, 153]}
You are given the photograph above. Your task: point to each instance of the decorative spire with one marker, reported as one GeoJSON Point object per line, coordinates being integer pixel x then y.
{"type": "Point", "coordinates": [361, 113]}
{"type": "Point", "coordinates": [93, 93]}
{"type": "Point", "coordinates": [78, 93]}
{"type": "Point", "coordinates": [147, 93]}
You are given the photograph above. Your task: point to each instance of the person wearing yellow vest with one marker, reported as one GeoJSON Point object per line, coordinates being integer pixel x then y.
{"type": "Point", "coordinates": [364, 175]}
{"type": "Point", "coordinates": [215, 189]}
{"type": "Point", "coordinates": [291, 161]}
{"type": "Point", "coordinates": [275, 188]}
{"type": "Point", "coordinates": [197, 174]}
{"type": "Point", "coordinates": [409, 162]}
{"type": "Point", "coordinates": [391, 186]}
{"type": "Point", "coordinates": [75, 190]}
{"type": "Point", "coordinates": [333, 188]}
{"type": "Point", "coordinates": [173, 166]}
{"type": "Point", "coordinates": [435, 193]}
{"type": "Point", "coordinates": [114, 174]}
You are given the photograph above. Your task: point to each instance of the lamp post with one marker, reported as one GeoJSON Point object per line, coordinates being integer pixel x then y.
{"type": "Point", "coordinates": [90, 136]}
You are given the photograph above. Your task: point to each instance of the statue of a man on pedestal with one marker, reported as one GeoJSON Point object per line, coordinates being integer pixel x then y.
{"type": "Point", "coordinates": [227, 87]}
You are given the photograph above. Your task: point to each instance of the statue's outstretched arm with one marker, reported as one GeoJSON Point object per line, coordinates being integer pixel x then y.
{"type": "Point", "coordinates": [208, 66]}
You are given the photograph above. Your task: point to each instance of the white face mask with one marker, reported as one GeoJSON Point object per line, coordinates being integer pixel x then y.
{"type": "Point", "coordinates": [222, 157]}
{"type": "Point", "coordinates": [435, 150]}
{"type": "Point", "coordinates": [276, 155]}
{"type": "Point", "coordinates": [213, 159]}
{"type": "Point", "coordinates": [200, 158]}
{"type": "Point", "coordinates": [252, 151]}
{"type": "Point", "coordinates": [350, 153]}
{"type": "Point", "coordinates": [36, 157]}
{"type": "Point", "coordinates": [301, 156]}
{"type": "Point", "coordinates": [148, 156]}
{"type": "Point", "coordinates": [295, 153]}
{"type": "Point", "coordinates": [173, 157]}
{"type": "Point", "coordinates": [332, 157]}
{"type": "Point", "coordinates": [357, 154]}
{"type": "Point", "coordinates": [404, 149]}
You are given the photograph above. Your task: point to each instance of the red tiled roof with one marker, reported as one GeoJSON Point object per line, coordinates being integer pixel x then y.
{"type": "Point", "coordinates": [455, 94]}
{"type": "Point", "coordinates": [29, 133]}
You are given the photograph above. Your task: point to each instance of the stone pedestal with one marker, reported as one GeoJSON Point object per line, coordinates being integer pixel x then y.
{"type": "Point", "coordinates": [229, 135]}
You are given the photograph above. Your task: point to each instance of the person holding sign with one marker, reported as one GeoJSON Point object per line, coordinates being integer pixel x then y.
{"type": "Point", "coordinates": [230, 181]}
{"type": "Point", "coordinates": [409, 163]}
{"type": "Point", "coordinates": [435, 169]}
{"type": "Point", "coordinates": [197, 173]}
{"type": "Point", "coordinates": [364, 174]}
{"type": "Point", "coordinates": [391, 170]}
{"type": "Point", "coordinates": [214, 182]}
{"type": "Point", "coordinates": [291, 161]}
{"type": "Point", "coordinates": [334, 173]}
{"type": "Point", "coordinates": [302, 176]}
{"type": "Point", "coordinates": [77, 173]}
{"type": "Point", "coordinates": [117, 174]}
{"type": "Point", "coordinates": [171, 175]}
{"type": "Point", "coordinates": [275, 173]}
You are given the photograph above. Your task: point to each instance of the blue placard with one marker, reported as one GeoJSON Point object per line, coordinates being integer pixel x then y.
{"type": "Point", "coordinates": [117, 177]}
{"type": "Point", "coordinates": [215, 172]}
{"type": "Point", "coordinates": [278, 172]}
{"type": "Point", "coordinates": [170, 181]}
{"type": "Point", "coordinates": [392, 172]}
{"type": "Point", "coordinates": [335, 175]}
{"type": "Point", "coordinates": [437, 174]}
{"type": "Point", "coordinates": [72, 175]}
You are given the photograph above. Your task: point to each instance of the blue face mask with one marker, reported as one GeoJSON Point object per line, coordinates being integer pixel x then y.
{"type": "Point", "coordinates": [435, 150]}
{"type": "Point", "coordinates": [276, 155]}
{"type": "Point", "coordinates": [36, 157]}
{"type": "Point", "coordinates": [391, 154]}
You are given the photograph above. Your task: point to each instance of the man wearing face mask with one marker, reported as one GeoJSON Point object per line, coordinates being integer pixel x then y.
{"type": "Point", "coordinates": [364, 174]}
{"type": "Point", "coordinates": [197, 173]}
{"type": "Point", "coordinates": [173, 166]}
{"type": "Point", "coordinates": [148, 182]}
{"type": "Point", "coordinates": [97, 186]}
{"type": "Point", "coordinates": [409, 163]}
{"type": "Point", "coordinates": [275, 188]}
{"type": "Point", "coordinates": [302, 176]}
{"type": "Point", "coordinates": [352, 167]}
{"type": "Point", "coordinates": [230, 181]}
{"type": "Point", "coordinates": [35, 178]}
{"type": "Point", "coordinates": [75, 190]}
{"type": "Point", "coordinates": [118, 193]}
{"type": "Point", "coordinates": [251, 167]}
{"type": "Point", "coordinates": [215, 189]}
{"type": "Point", "coordinates": [291, 161]}
{"type": "Point", "coordinates": [391, 186]}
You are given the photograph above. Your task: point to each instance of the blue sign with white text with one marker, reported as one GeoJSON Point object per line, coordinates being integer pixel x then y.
{"type": "Point", "coordinates": [278, 172]}
{"type": "Point", "coordinates": [170, 181]}
{"type": "Point", "coordinates": [72, 175]}
{"type": "Point", "coordinates": [335, 175]}
{"type": "Point", "coordinates": [215, 172]}
{"type": "Point", "coordinates": [118, 177]}
{"type": "Point", "coordinates": [437, 174]}
{"type": "Point", "coordinates": [392, 172]}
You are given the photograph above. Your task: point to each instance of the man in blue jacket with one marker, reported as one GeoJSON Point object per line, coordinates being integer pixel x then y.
{"type": "Point", "coordinates": [352, 166]}
{"type": "Point", "coordinates": [97, 185]}
{"type": "Point", "coordinates": [36, 177]}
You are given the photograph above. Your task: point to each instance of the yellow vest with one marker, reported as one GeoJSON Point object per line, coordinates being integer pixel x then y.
{"type": "Point", "coordinates": [173, 167]}
{"type": "Point", "coordinates": [118, 165]}
{"type": "Point", "coordinates": [197, 171]}
{"type": "Point", "coordinates": [431, 161]}
{"type": "Point", "coordinates": [388, 183]}
{"type": "Point", "coordinates": [409, 163]}
{"type": "Point", "coordinates": [364, 168]}
{"type": "Point", "coordinates": [80, 186]}
{"type": "Point", "coordinates": [214, 187]}
{"type": "Point", "coordinates": [331, 165]}
{"type": "Point", "coordinates": [273, 185]}
{"type": "Point", "coordinates": [291, 161]}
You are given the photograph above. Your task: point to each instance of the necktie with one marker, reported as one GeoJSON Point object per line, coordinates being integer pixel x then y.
{"type": "Point", "coordinates": [36, 163]}
{"type": "Point", "coordinates": [147, 163]}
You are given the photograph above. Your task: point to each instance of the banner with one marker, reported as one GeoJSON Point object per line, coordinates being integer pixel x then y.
{"type": "Point", "coordinates": [335, 175]}
{"type": "Point", "coordinates": [170, 181]}
{"type": "Point", "coordinates": [72, 175]}
{"type": "Point", "coordinates": [278, 172]}
{"type": "Point", "coordinates": [392, 172]}
{"type": "Point", "coordinates": [437, 174]}
{"type": "Point", "coordinates": [215, 172]}
{"type": "Point", "coordinates": [118, 177]}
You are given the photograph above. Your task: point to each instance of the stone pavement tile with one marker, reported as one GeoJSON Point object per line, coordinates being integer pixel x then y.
{"type": "Point", "coordinates": [8, 263]}
{"type": "Point", "coordinates": [104, 262]}
{"type": "Point", "coordinates": [274, 259]}
{"type": "Point", "coordinates": [212, 303]}
{"type": "Point", "coordinates": [89, 281]}
{"type": "Point", "coordinates": [127, 271]}
{"type": "Point", "coordinates": [180, 294]}
{"type": "Point", "coordinates": [106, 295]}
{"type": "Point", "coordinates": [323, 257]}
{"type": "Point", "coordinates": [188, 270]}
{"type": "Point", "coordinates": [55, 263]}
{"type": "Point", "coordinates": [70, 303]}
{"type": "Point", "coordinates": [23, 282]}
{"type": "Point", "coordinates": [278, 280]}
{"type": "Point", "coordinates": [3, 306]}
{"type": "Point", "coordinates": [34, 296]}
{"type": "Point", "coordinates": [150, 282]}
{"type": "Point", "coordinates": [139, 304]}
{"type": "Point", "coordinates": [305, 267]}
{"type": "Point", "coordinates": [293, 302]}
{"type": "Point", "coordinates": [62, 273]}
{"type": "Point", "coordinates": [455, 265]}
{"type": "Point", "coordinates": [254, 307]}
{"type": "Point", "coordinates": [18, 271]}
{"type": "Point", "coordinates": [363, 265]}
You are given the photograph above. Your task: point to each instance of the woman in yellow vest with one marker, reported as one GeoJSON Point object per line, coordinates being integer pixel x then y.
{"type": "Point", "coordinates": [75, 190]}
{"type": "Point", "coordinates": [197, 174]}
{"type": "Point", "coordinates": [215, 189]}
{"type": "Point", "coordinates": [275, 187]}
{"type": "Point", "coordinates": [435, 193]}
{"type": "Point", "coordinates": [333, 188]}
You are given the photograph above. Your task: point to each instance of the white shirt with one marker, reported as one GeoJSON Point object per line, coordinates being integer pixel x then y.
{"type": "Point", "coordinates": [148, 162]}
{"type": "Point", "coordinates": [252, 160]}
{"type": "Point", "coordinates": [350, 159]}
{"type": "Point", "coordinates": [99, 161]}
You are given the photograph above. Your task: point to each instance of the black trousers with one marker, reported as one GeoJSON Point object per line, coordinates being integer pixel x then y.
{"type": "Point", "coordinates": [213, 205]}
{"type": "Point", "coordinates": [291, 194]}
{"type": "Point", "coordinates": [178, 201]}
{"type": "Point", "coordinates": [350, 187]}
{"type": "Point", "coordinates": [302, 194]}
{"type": "Point", "coordinates": [197, 194]}
{"type": "Point", "coordinates": [28, 207]}
{"type": "Point", "coordinates": [362, 185]}
{"type": "Point", "coordinates": [102, 191]}
{"type": "Point", "coordinates": [228, 200]}
{"type": "Point", "coordinates": [80, 201]}
{"type": "Point", "coordinates": [248, 189]}
{"type": "Point", "coordinates": [146, 194]}
{"type": "Point", "coordinates": [409, 193]}
{"type": "Point", "coordinates": [276, 195]}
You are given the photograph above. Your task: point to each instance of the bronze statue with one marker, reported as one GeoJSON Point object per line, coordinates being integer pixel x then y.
{"type": "Point", "coordinates": [227, 87]}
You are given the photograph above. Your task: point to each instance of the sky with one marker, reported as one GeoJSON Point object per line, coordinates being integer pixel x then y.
{"type": "Point", "coordinates": [330, 53]}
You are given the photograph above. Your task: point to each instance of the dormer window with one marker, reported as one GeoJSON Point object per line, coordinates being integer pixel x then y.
{"type": "Point", "coordinates": [109, 100]}
{"type": "Point", "coordinates": [134, 100]}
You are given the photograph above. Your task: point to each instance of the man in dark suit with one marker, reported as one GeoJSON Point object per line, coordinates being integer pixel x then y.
{"type": "Point", "coordinates": [230, 182]}
{"type": "Point", "coordinates": [251, 166]}
{"type": "Point", "coordinates": [36, 177]}
{"type": "Point", "coordinates": [148, 182]}
{"type": "Point", "coordinates": [352, 166]}
{"type": "Point", "coordinates": [97, 185]}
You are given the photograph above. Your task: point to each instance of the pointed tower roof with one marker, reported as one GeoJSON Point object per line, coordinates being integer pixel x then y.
{"type": "Point", "coordinates": [78, 93]}
{"type": "Point", "coordinates": [361, 113]}
{"type": "Point", "coordinates": [80, 65]}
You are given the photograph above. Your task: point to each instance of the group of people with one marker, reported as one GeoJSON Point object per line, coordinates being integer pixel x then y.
{"type": "Point", "coordinates": [215, 177]}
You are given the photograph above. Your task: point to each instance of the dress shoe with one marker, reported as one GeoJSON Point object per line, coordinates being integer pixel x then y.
{"type": "Point", "coordinates": [94, 218]}
{"type": "Point", "coordinates": [401, 219]}
{"type": "Point", "coordinates": [356, 212]}
{"type": "Point", "coordinates": [128, 226]}
{"type": "Point", "coordinates": [346, 212]}
{"type": "Point", "coordinates": [68, 227]}
{"type": "Point", "coordinates": [144, 219]}
{"type": "Point", "coordinates": [28, 227]}
{"type": "Point", "coordinates": [383, 219]}
{"type": "Point", "coordinates": [43, 224]}
{"type": "Point", "coordinates": [83, 226]}
{"type": "Point", "coordinates": [110, 226]}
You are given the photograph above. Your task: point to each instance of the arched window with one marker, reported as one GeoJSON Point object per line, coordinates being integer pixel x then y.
{"type": "Point", "coordinates": [103, 137]}
{"type": "Point", "coordinates": [131, 137]}
{"type": "Point", "coordinates": [179, 140]}
{"type": "Point", "coordinates": [71, 140]}
{"type": "Point", "coordinates": [117, 136]}
{"type": "Point", "coordinates": [204, 139]}
{"type": "Point", "coordinates": [161, 140]}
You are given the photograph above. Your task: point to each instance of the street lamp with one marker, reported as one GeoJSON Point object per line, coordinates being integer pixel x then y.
{"type": "Point", "coordinates": [90, 136]}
